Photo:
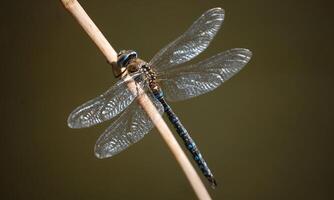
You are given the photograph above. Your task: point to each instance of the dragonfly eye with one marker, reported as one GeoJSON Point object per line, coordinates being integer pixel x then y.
{"type": "Point", "coordinates": [124, 57]}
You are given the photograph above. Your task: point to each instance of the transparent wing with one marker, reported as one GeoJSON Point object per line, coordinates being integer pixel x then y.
{"type": "Point", "coordinates": [189, 81]}
{"type": "Point", "coordinates": [128, 129]}
{"type": "Point", "coordinates": [105, 106]}
{"type": "Point", "coordinates": [191, 43]}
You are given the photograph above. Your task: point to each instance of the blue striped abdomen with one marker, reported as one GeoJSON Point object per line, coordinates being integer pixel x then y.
{"type": "Point", "coordinates": [188, 141]}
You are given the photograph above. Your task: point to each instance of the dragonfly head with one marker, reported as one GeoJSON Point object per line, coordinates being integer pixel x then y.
{"type": "Point", "coordinates": [124, 57]}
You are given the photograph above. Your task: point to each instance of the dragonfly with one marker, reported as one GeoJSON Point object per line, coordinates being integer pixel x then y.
{"type": "Point", "coordinates": [162, 79]}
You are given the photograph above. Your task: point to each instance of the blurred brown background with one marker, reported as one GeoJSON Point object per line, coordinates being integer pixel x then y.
{"type": "Point", "coordinates": [266, 134]}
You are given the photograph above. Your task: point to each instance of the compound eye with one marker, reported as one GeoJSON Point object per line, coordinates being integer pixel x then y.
{"type": "Point", "coordinates": [121, 60]}
{"type": "Point", "coordinates": [124, 57]}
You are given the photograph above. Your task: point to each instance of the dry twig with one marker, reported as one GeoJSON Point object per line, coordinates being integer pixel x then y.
{"type": "Point", "coordinates": [101, 42]}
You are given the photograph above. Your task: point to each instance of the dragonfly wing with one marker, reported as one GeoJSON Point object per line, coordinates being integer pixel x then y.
{"type": "Point", "coordinates": [105, 106]}
{"type": "Point", "coordinates": [193, 80]}
{"type": "Point", "coordinates": [191, 43]}
{"type": "Point", "coordinates": [128, 129]}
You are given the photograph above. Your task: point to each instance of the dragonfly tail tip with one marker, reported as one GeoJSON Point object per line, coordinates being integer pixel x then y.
{"type": "Point", "coordinates": [213, 182]}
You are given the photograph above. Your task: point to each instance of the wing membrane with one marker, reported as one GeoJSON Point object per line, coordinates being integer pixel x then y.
{"type": "Point", "coordinates": [191, 43]}
{"type": "Point", "coordinates": [128, 129]}
{"type": "Point", "coordinates": [105, 106]}
{"type": "Point", "coordinates": [193, 80]}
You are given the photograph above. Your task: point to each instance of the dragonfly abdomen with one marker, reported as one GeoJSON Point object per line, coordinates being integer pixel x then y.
{"type": "Point", "coordinates": [188, 141]}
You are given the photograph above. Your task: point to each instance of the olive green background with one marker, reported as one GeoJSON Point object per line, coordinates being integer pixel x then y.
{"type": "Point", "coordinates": [266, 134]}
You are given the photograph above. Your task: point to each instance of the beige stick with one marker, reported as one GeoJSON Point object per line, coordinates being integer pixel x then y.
{"type": "Point", "coordinates": [95, 34]}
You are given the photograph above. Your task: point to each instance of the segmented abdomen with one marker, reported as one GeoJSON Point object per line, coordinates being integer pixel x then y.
{"type": "Point", "coordinates": [188, 141]}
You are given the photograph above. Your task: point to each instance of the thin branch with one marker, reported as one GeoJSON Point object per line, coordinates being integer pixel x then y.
{"type": "Point", "coordinates": [101, 42]}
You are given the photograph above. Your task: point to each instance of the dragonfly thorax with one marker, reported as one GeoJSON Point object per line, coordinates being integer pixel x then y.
{"type": "Point", "coordinates": [128, 59]}
{"type": "Point", "coordinates": [138, 64]}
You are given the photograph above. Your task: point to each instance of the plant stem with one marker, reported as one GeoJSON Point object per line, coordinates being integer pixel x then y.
{"type": "Point", "coordinates": [107, 50]}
